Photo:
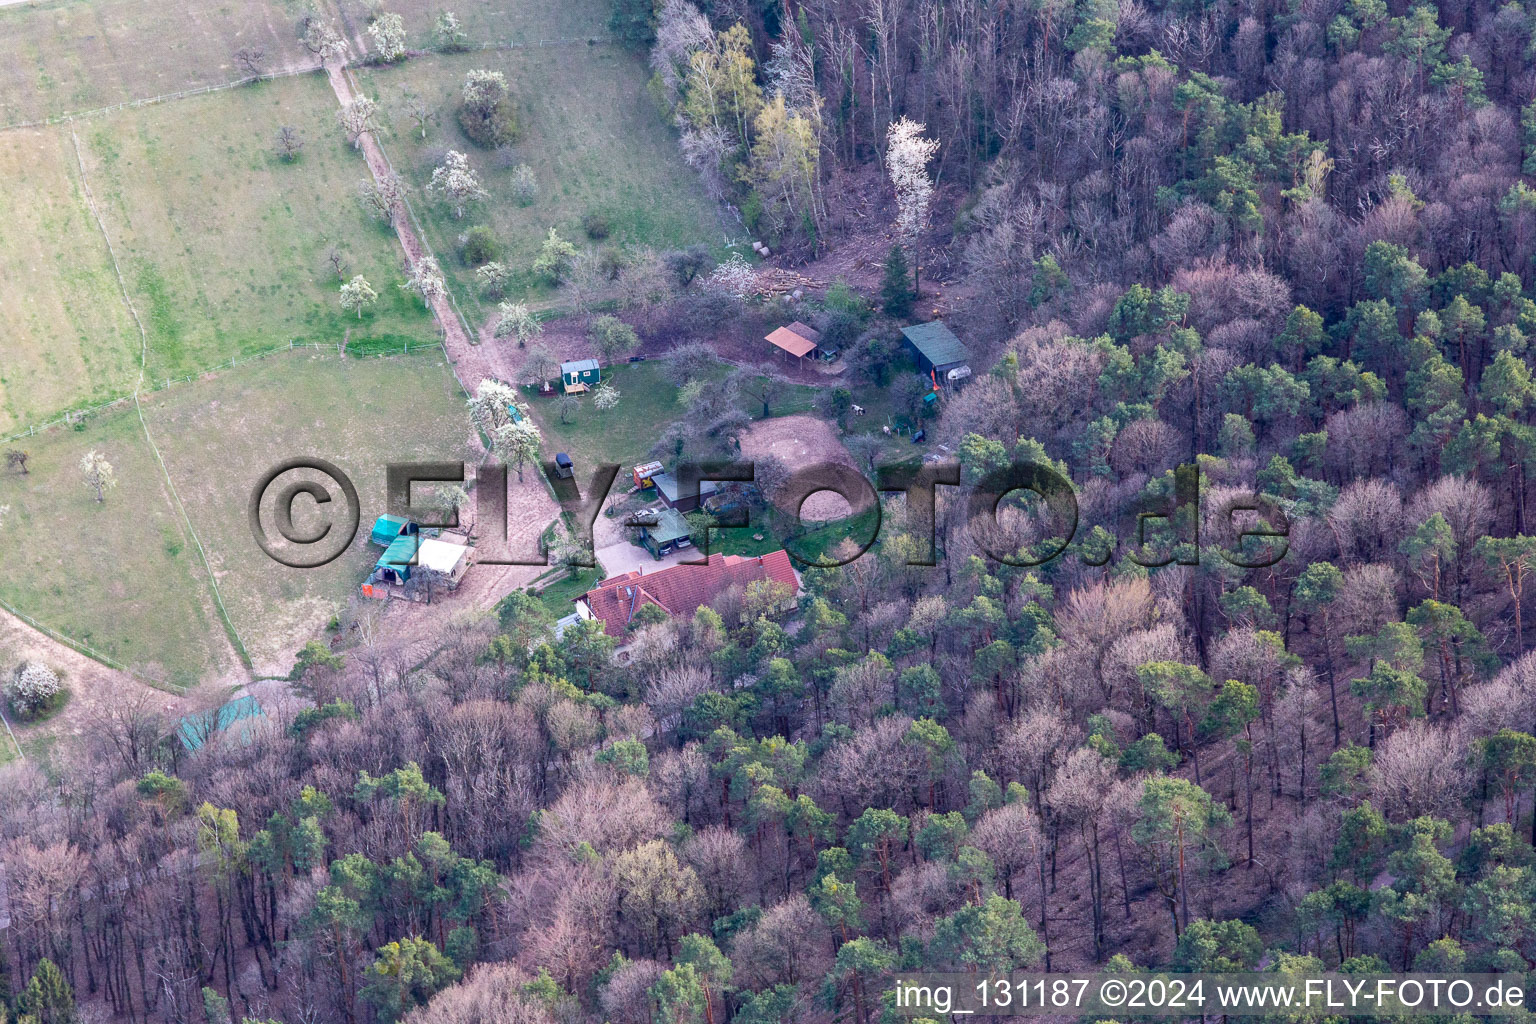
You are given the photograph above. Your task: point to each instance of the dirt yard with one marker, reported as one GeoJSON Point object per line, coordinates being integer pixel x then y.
{"type": "Point", "coordinates": [799, 441]}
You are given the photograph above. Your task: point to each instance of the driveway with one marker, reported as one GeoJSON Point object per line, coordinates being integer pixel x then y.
{"type": "Point", "coordinates": [617, 559]}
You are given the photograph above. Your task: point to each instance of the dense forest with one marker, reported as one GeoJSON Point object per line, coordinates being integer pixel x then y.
{"type": "Point", "coordinates": [1288, 243]}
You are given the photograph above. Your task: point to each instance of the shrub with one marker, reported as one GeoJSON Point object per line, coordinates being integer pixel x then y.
{"type": "Point", "coordinates": [596, 226]}
{"type": "Point", "coordinates": [525, 185]}
{"type": "Point", "coordinates": [34, 691]}
{"type": "Point", "coordinates": [479, 246]}
{"type": "Point", "coordinates": [555, 258]}
{"type": "Point", "coordinates": [487, 116]}
{"type": "Point", "coordinates": [610, 263]}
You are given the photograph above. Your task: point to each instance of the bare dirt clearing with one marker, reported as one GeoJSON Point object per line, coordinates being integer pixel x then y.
{"type": "Point", "coordinates": [797, 442]}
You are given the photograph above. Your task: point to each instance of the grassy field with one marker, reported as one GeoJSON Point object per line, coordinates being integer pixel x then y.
{"type": "Point", "coordinates": [121, 575]}
{"type": "Point", "coordinates": [221, 434]}
{"type": "Point", "coordinates": [589, 132]}
{"type": "Point", "coordinates": [74, 55]}
{"type": "Point", "coordinates": [223, 244]}
{"type": "Point", "coordinates": [69, 340]}
{"type": "Point", "coordinates": [647, 406]}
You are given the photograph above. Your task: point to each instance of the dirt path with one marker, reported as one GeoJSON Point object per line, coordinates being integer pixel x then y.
{"type": "Point", "coordinates": [530, 506]}
{"type": "Point", "coordinates": [91, 683]}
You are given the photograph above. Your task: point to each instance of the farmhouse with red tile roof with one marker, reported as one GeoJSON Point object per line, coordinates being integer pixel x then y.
{"type": "Point", "coordinates": [679, 589]}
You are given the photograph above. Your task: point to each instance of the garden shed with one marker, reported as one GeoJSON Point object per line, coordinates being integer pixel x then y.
{"type": "Point", "coordinates": [388, 529]}
{"type": "Point", "coordinates": [938, 351]}
{"type": "Point", "coordinates": [406, 555]}
{"type": "Point", "coordinates": [667, 489]}
{"type": "Point", "coordinates": [796, 340]}
{"type": "Point", "coordinates": [580, 375]}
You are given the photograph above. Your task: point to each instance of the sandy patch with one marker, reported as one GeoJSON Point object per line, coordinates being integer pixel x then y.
{"type": "Point", "coordinates": [798, 442]}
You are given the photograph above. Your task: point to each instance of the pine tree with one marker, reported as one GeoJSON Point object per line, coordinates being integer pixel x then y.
{"type": "Point", "coordinates": [49, 996]}
{"type": "Point", "coordinates": [896, 288]}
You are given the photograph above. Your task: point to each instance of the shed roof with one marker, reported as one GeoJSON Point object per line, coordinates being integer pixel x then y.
{"type": "Point", "coordinates": [401, 551]}
{"type": "Point", "coordinates": [386, 528]}
{"type": "Point", "coordinates": [440, 555]}
{"type": "Point", "coordinates": [667, 485]}
{"type": "Point", "coordinates": [937, 343]}
{"type": "Point", "coordinates": [797, 339]}
{"type": "Point", "coordinates": [578, 366]}
{"type": "Point", "coordinates": [669, 526]}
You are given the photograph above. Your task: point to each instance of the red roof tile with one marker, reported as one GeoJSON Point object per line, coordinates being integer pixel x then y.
{"type": "Point", "coordinates": [682, 589]}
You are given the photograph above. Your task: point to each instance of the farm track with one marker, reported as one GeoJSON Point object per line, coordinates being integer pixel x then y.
{"type": "Point", "coordinates": [531, 507]}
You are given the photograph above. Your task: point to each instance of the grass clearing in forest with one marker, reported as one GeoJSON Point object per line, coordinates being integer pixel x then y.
{"type": "Point", "coordinates": [624, 434]}
{"type": "Point", "coordinates": [557, 597]}
{"type": "Point", "coordinates": [593, 138]}
{"type": "Point", "coordinates": [67, 56]}
{"type": "Point", "coordinates": [223, 244]}
{"type": "Point", "coordinates": [221, 434]}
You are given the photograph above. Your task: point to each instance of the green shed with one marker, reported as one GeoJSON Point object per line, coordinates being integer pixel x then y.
{"type": "Point", "coordinates": [938, 351]}
{"type": "Point", "coordinates": [580, 375]}
{"type": "Point", "coordinates": [394, 565]}
{"type": "Point", "coordinates": [386, 529]}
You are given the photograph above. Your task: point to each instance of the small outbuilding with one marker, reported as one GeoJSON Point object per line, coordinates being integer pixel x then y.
{"type": "Point", "coordinates": [387, 529]}
{"type": "Point", "coordinates": [580, 375]}
{"type": "Point", "coordinates": [669, 533]}
{"type": "Point", "coordinates": [938, 351]}
{"type": "Point", "coordinates": [407, 555]}
{"type": "Point", "coordinates": [645, 473]}
{"type": "Point", "coordinates": [667, 489]}
{"type": "Point", "coordinates": [796, 340]}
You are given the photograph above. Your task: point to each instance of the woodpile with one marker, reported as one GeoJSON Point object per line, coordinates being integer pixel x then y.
{"type": "Point", "coordinates": [775, 281]}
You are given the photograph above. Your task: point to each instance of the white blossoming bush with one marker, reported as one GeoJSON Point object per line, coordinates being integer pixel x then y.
{"type": "Point", "coordinates": [734, 277]}
{"type": "Point", "coordinates": [33, 690]}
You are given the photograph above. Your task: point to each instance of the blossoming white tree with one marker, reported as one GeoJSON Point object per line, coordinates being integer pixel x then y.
{"type": "Point", "coordinates": [456, 182]}
{"type": "Point", "coordinates": [426, 280]}
{"type": "Point", "coordinates": [734, 277]}
{"type": "Point", "coordinates": [31, 689]}
{"type": "Point", "coordinates": [388, 32]}
{"type": "Point", "coordinates": [517, 444]}
{"type": "Point", "coordinates": [906, 161]}
{"type": "Point", "coordinates": [98, 473]}
{"type": "Point", "coordinates": [605, 396]}
{"type": "Point", "coordinates": [517, 319]}
{"type": "Point", "coordinates": [358, 118]}
{"type": "Point", "coordinates": [357, 294]}
{"type": "Point", "coordinates": [491, 404]}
